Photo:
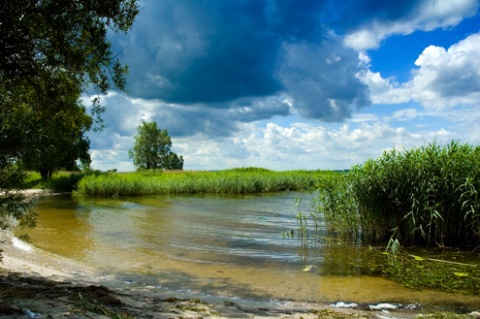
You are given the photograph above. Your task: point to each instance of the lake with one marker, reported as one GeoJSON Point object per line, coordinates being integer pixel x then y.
{"type": "Point", "coordinates": [223, 246]}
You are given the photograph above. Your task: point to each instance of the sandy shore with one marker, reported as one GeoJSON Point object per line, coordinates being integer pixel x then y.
{"type": "Point", "coordinates": [34, 284]}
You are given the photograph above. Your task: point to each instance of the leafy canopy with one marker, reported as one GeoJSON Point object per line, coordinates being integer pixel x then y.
{"type": "Point", "coordinates": [51, 52]}
{"type": "Point", "coordinates": [152, 149]}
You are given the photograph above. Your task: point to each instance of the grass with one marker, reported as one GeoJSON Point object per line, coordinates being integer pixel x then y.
{"type": "Point", "coordinates": [59, 182]}
{"type": "Point", "coordinates": [233, 181]}
{"type": "Point", "coordinates": [427, 196]}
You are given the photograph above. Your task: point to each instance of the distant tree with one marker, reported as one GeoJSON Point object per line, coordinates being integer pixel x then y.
{"type": "Point", "coordinates": [175, 162]}
{"type": "Point", "coordinates": [152, 149]}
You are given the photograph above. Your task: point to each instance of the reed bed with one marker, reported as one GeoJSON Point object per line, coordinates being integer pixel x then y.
{"type": "Point", "coordinates": [427, 196]}
{"type": "Point", "coordinates": [233, 181]}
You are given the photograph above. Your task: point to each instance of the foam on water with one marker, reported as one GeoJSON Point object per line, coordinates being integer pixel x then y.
{"type": "Point", "coordinates": [17, 243]}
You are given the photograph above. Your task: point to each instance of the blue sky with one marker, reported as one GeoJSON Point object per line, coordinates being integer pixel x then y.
{"type": "Point", "coordinates": [286, 84]}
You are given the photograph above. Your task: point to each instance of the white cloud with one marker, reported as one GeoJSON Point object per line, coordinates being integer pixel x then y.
{"type": "Point", "coordinates": [444, 79]}
{"type": "Point", "coordinates": [298, 145]}
{"type": "Point", "coordinates": [384, 91]}
{"type": "Point", "coordinates": [427, 16]}
{"type": "Point", "coordinates": [447, 78]}
{"type": "Point", "coordinates": [301, 145]}
{"type": "Point", "coordinates": [404, 115]}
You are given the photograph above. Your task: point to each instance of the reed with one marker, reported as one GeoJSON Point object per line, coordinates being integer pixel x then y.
{"type": "Point", "coordinates": [425, 196]}
{"type": "Point", "coordinates": [233, 181]}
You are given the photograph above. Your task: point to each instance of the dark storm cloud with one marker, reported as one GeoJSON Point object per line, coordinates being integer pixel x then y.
{"type": "Point", "coordinates": [188, 121]}
{"type": "Point", "coordinates": [352, 14]}
{"type": "Point", "coordinates": [216, 122]}
{"type": "Point", "coordinates": [202, 52]}
{"type": "Point", "coordinates": [220, 54]}
{"type": "Point", "coordinates": [321, 81]}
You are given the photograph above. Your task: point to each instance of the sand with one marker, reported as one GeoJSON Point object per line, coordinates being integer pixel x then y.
{"type": "Point", "coordinates": [35, 284]}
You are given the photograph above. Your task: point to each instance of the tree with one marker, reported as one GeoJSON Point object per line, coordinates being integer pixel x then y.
{"type": "Point", "coordinates": [59, 142]}
{"type": "Point", "coordinates": [152, 149]}
{"type": "Point", "coordinates": [53, 138]}
{"type": "Point", "coordinates": [175, 162]}
{"type": "Point", "coordinates": [51, 51]}
{"type": "Point", "coordinates": [41, 39]}
{"type": "Point", "coordinates": [43, 36]}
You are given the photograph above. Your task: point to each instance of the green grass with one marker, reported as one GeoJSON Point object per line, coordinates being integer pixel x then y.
{"type": "Point", "coordinates": [59, 182]}
{"type": "Point", "coordinates": [233, 181]}
{"type": "Point", "coordinates": [427, 196]}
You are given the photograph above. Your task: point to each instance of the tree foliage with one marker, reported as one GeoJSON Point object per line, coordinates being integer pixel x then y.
{"type": "Point", "coordinates": [40, 37]}
{"type": "Point", "coordinates": [152, 149]}
{"type": "Point", "coordinates": [53, 138]}
{"type": "Point", "coordinates": [51, 52]}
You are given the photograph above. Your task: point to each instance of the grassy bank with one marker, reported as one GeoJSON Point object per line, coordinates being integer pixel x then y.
{"type": "Point", "coordinates": [59, 182]}
{"type": "Point", "coordinates": [233, 181]}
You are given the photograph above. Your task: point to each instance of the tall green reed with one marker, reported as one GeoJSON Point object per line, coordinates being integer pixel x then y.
{"type": "Point", "coordinates": [233, 181]}
{"type": "Point", "coordinates": [423, 196]}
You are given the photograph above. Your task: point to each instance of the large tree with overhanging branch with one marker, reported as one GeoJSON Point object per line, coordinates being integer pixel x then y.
{"type": "Point", "coordinates": [52, 51]}
{"type": "Point", "coordinates": [42, 39]}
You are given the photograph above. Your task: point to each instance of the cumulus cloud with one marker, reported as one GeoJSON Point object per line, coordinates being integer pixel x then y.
{"type": "Point", "coordinates": [302, 145]}
{"type": "Point", "coordinates": [445, 78]}
{"type": "Point", "coordinates": [449, 77]}
{"type": "Point", "coordinates": [124, 114]}
{"type": "Point", "coordinates": [403, 17]}
{"type": "Point", "coordinates": [225, 78]}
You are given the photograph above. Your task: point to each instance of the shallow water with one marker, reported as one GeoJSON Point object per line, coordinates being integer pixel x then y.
{"type": "Point", "coordinates": [229, 246]}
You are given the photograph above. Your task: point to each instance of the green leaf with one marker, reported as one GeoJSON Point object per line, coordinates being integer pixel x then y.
{"type": "Point", "coordinates": [461, 274]}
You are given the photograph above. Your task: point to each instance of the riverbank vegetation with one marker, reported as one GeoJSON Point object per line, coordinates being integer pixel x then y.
{"type": "Point", "coordinates": [59, 182]}
{"type": "Point", "coordinates": [427, 196]}
{"type": "Point", "coordinates": [232, 181]}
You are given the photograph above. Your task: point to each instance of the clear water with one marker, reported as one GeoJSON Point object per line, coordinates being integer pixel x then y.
{"type": "Point", "coordinates": [229, 246]}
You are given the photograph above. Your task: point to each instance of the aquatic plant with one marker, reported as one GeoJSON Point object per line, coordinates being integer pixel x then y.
{"type": "Point", "coordinates": [423, 196]}
{"type": "Point", "coordinates": [445, 270]}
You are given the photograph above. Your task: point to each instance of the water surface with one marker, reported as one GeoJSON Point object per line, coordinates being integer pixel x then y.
{"type": "Point", "coordinates": [230, 246]}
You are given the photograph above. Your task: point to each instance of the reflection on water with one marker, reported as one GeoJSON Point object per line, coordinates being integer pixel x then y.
{"type": "Point", "coordinates": [220, 245]}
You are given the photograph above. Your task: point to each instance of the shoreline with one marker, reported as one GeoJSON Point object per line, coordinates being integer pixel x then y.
{"type": "Point", "coordinates": [26, 268]}
{"type": "Point", "coordinates": [66, 288]}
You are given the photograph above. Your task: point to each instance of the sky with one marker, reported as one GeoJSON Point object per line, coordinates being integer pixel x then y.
{"type": "Point", "coordinates": [294, 84]}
